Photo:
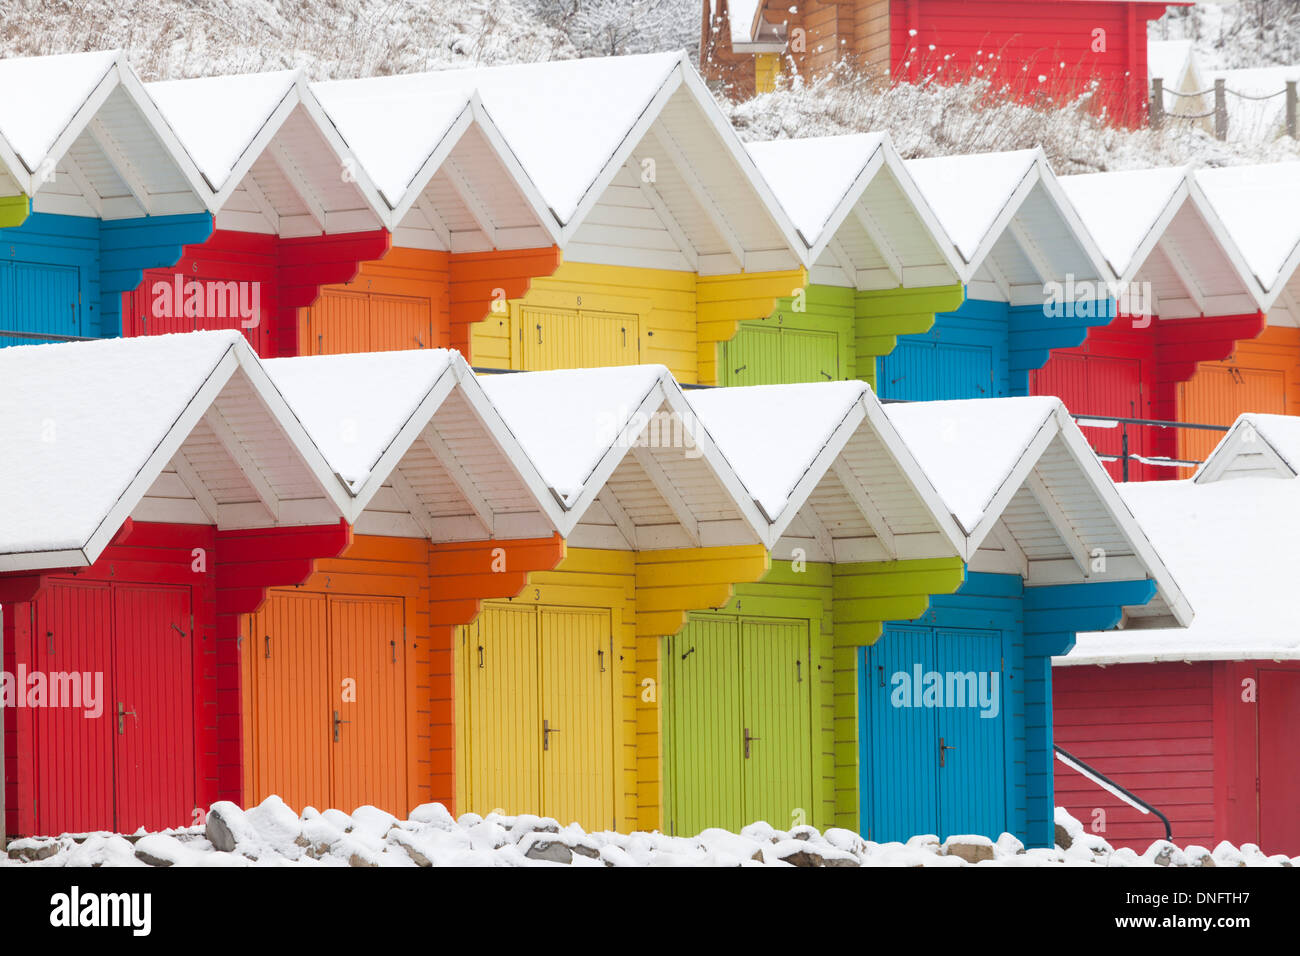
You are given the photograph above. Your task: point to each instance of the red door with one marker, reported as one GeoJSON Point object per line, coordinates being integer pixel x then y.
{"type": "Point", "coordinates": [1279, 770]}
{"type": "Point", "coordinates": [73, 752]}
{"type": "Point", "coordinates": [153, 707]}
{"type": "Point", "coordinates": [1102, 385]}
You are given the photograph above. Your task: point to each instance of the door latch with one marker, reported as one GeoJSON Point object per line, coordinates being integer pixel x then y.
{"type": "Point", "coordinates": [748, 739]}
{"type": "Point", "coordinates": [601, 656]}
{"type": "Point", "coordinates": [122, 714]}
{"type": "Point", "coordinates": [338, 720]}
{"type": "Point", "coordinates": [268, 647]}
{"type": "Point", "coordinates": [943, 749]}
{"type": "Point", "coordinates": [547, 730]}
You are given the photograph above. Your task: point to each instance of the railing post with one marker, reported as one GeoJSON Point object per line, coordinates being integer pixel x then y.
{"type": "Point", "coordinates": [1157, 103]}
{"type": "Point", "coordinates": [1123, 451]}
{"type": "Point", "coordinates": [1290, 108]}
{"type": "Point", "coordinates": [1220, 110]}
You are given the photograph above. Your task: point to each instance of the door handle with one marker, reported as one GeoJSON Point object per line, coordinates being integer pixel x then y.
{"type": "Point", "coordinates": [601, 656]}
{"type": "Point", "coordinates": [748, 739]}
{"type": "Point", "coordinates": [338, 720]}
{"type": "Point", "coordinates": [547, 730]}
{"type": "Point", "coordinates": [393, 645]}
{"type": "Point", "coordinates": [943, 749]}
{"type": "Point", "coordinates": [539, 333]}
{"type": "Point", "coordinates": [122, 714]}
{"type": "Point", "coordinates": [480, 655]}
{"type": "Point", "coordinates": [268, 647]}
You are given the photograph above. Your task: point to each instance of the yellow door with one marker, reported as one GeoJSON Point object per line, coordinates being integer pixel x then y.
{"type": "Point", "coordinates": [338, 322]}
{"type": "Point", "coordinates": [577, 697]}
{"type": "Point", "coordinates": [573, 338]}
{"type": "Point", "coordinates": [368, 714]}
{"type": "Point", "coordinates": [503, 724]}
{"type": "Point", "coordinates": [289, 701]}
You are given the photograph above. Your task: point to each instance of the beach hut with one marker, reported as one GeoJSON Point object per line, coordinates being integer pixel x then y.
{"type": "Point", "coordinates": [558, 689]}
{"type": "Point", "coordinates": [149, 500]}
{"type": "Point", "coordinates": [955, 707]}
{"type": "Point", "coordinates": [880, 264]}
{"type": "Point", "coordinates": [348, 679]}
{"type": "Point", "coordinates": [1185, 295]}
{"type": "Point", "coordinates": [1260, 207]}
{"type": "Point", "coordinates": [1034, 280]}
{"type": "Point", "coordinates": [668, 237]}
{"type": "Point", "coordinates": [96, 188]}
{"type": "Point", "coordinates": [759, 697]}
{"type": "Point", "coordinates": [294, 210]}
{"type": "Point", "coordinates": [1194, 725]}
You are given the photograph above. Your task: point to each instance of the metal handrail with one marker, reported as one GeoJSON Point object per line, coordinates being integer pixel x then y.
{"type": "Point", "coordinates": [1125, 794]}
{"type": "Point", "coordinates": [46, 336]}
{"type": "Point", "coordinates": [1101, 421]}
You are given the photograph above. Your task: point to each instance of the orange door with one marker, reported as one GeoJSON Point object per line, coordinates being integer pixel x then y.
{"type": "Point", "coordinates": [326, 701]}
{"type": "Point", "coordinates": [1217, 394]}
{"type": "Point", "coordinates": [338, 322]}
{"type": "Point", "coordinates": [400, 322]}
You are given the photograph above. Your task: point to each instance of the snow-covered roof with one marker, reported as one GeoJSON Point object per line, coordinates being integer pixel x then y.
{"type": "Point", "coordinates": [829, 470]}
{"type": "Point", "coordinates": [624, 452]}
{"type": "Point", "coordinates": [1023, 483]}
{"type": "Point", "coordinates": [1169, 60]}
{"type": "Point", "coordinates": [1257, 446]}
{"type": "Point", "coordinates": [632, 156]}
{"type": "Point", "coordinates": [78, 134]}
{"type": "Point", "coordinates": [1011, 223]}
{"type": "Point", "coordinates": [855, 205]}
{"type": "Point", "coordinates": [1260, 207]}
{"type": "Point", "coordinates": [1234, 547]}
{"type": "Point", "coordinates": [1156, 226]}
{"type": "Point", "coordinates": [419, 444]}
{"type": "Point", "coordinates": [444, 169]}
{"type": "Point", "coordinates": [178, 428]}
{"type": "Point", "coordinates": [274, 162]}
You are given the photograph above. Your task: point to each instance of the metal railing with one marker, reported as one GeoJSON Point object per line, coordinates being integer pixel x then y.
{"type": "Point", "coordinates": [45, 336]}
{"type": "Point", "coordinates": [1158, 115]}
{"type": "Point", "coordinates": [1111, 787]}
{"type": "Point", "coordinates": [1125, 456]}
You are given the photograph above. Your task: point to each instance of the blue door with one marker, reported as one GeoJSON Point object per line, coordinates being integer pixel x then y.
{"type": "Point", "coordinates": [39, 297]}
{"type": "Point", "coordinates": [922, 371]}
{"type": "Point", "coordinates": [932, 744]}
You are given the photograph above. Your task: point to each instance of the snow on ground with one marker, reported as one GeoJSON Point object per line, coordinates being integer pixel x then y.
{"type": "Point", "coordinates": [272, 834]}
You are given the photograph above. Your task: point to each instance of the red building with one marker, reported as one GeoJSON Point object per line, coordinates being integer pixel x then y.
{"type": "Point", "coordinates": [1198, 722]}
{"type": "Point", "coordinates": [149, 502]}
{"type": "Point", "coordinates": [1053, 49]}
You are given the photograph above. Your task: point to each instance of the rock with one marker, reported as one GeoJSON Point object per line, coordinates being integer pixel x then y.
{"type": "Point", "coordinates": [840, 861]}
{"type": "Point", "coordinates": [218, 831]}
{"type": "Point", "coordinates": [418, 858]}
{"type": "Point", "coordinates": [804, 858]}
{"type": "Point", "coordinates": [550, 851]}
{"type": "Point", "coordinates": [758, 855]}
{"type": "Point", "coordinates": [434, 815]}
{"type": "Point", "coordinates": [301, 840]}
{"type": "Point", "coordinates": [144, 856]}
{"type": "Point", "coordinates": [356, 859]}
{"type": "Point", "coordinates": [1063, 839]}
{"type": "Point", "coordinates": [29, 851]}
{"type": "Point", "coordinates": [582, 849]}
{"type": "Point", "coordinates": [970, 852]}
{"type": "Point", "coordinates": [804, 833]}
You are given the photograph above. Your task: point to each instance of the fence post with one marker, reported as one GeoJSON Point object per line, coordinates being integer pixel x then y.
{"type": "Point", "coordinates": [1157, 102]}
{"type": "Point", "coordinates": [1290, 108]}
{"type": "Point", "coordinates": [1220, 110]}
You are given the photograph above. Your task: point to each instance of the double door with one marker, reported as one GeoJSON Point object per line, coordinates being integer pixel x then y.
{"type": "Point", "coordinates": [114, 741]}
{"type": "Point", "coordinates": [738, 724]}
{"type": "Point", "coordinates": [539, 711]}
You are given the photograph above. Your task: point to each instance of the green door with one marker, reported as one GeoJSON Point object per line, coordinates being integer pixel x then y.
{"type": "Point", "coordinates": [738, 724]}
{"type": "Point", "coordinates": [762, 354]}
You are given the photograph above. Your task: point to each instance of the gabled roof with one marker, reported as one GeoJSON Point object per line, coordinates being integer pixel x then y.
{"type": "Point", "coordinates": [420, 446]}
{"type": "Point", "coordinates": [829, 471]}
{"type": "Point", "coordinates": [79, 135]}
{"type": "Point", "coordinates": [1011, 223]}
{"type": "Point", "coordinates": [1234, 546]}
{"type": "Point", "coordinates": [633, 157]}
{"type": "Point", "coordinates": [1255, 446]}
{"type": "Point", "coordinates": [272, 159]}
{"type": "Point", "coordinates": [624, 452]}
{"type": "Point", "coordinates": [1156, 226]}
{"type": "Point", "coordinates": [1033, 499]}
{"type": "Point", "coordinates": [176, 428]}
{"type": "Point", "coordinates": [442, 166]}
{"type": "Point", "coordinates": [855, 205]}
{"type": "Point", "coordinates": [1260, 207]}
